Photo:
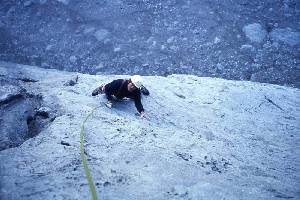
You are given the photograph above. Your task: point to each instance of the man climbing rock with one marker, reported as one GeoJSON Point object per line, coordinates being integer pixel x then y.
{"type": "Point", "coordinates": [123, 88]}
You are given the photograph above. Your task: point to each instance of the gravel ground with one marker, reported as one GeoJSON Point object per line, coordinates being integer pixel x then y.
{"type": "Point", "coordinates": [240, 40]}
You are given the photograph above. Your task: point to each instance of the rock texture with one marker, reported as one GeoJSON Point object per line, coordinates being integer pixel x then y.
{"type": "Point", "coordinates": [205, 138]}
{"type": "Point", "coordinates": [255, 32]}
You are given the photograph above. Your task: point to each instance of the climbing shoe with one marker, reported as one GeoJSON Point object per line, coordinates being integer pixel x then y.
{"type": "Point", "coordinates": [98, 90]}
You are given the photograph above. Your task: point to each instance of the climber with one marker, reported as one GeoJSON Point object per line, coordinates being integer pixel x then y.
{"type": "Point", "coordinates": [123, 88]}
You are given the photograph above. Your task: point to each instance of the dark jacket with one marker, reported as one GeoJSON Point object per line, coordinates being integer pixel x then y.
{"type": "Point", "coordinates": [120, 91]}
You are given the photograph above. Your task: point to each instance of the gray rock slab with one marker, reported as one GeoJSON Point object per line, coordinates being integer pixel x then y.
{"type": "Point", "coordinates": [9, 92]}
{"type": "Point", "coordinates": [17, 110]}
{"type": "Point", "coordinates": [224, 140]}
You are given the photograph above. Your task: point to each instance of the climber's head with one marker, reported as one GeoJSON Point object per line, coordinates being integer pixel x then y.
{"type": "Point", "coordinates": [135, 82]}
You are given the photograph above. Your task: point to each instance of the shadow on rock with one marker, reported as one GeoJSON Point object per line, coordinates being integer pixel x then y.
{"type": "Point", "coordinates": [21, 115]}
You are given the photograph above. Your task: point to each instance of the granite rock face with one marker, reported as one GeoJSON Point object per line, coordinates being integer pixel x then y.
{"type": "Point", "coordinates": [16, 115]}
{"type": "Point", "coordinates": [203, 138]}
{"type": "Point", "coordinates": [21, 114]}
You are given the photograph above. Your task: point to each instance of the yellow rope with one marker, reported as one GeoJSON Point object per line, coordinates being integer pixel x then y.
{"type": "Point", "coordinates": [84, 160]}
